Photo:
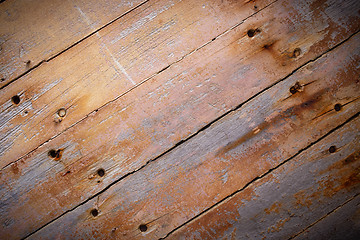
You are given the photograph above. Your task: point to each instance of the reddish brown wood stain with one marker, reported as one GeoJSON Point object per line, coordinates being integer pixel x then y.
{"type": "Point", "coordinates": [179, 119]}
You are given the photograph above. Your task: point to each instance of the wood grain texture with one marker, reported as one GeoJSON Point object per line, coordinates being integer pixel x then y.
{"type": "Point", "coordinates": [37, 30]}
{"type": "Point", "coordinates": [216, 162]}
{"type": "Point", "coordinates": [109, 63]}
{"type": "Point", "coordinates": [343, 223]}
{"type": "Point", "coordinates": [125, 134]}
{"type": "Point", "coordinates": [290, 198]}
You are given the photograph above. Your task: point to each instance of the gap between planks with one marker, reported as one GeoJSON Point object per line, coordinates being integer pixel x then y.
{"type": "Point", "coordinates": [203, 129]}
{"type": "Point", "coordinates": [263, 175]}
{"type": "Point", "coordinates": [326, 215]}
{"type": "Point", "coordinates": [74, 44]}
{"type": "Point", "coordinates": [150, 77]}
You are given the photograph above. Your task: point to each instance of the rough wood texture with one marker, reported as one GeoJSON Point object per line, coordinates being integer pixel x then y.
{"type": "Point", "coordinates": [109, 63]}
{"type": "Point", "coordinates": [37, 30]}
{"type": "Point", "coordinates": [223, 158]}
{"type": "Point", "coordinates": [343, 223]}
{"type": "Point", "coordinates": [172, 108]}
{"type": "Point", "coordinates": [291, 197]}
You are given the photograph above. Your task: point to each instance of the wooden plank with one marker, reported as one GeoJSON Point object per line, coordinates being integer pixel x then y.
{"type": "Point", "coordinates": [125, 134]}
{"type": "Point", "coordinates": [37, 30]}
{"type": "Point", "coordinates": [213, 164]}
{"type": "Point", "coordinates": [109, 63]}
{"type": "Point", "coordinates": [343, 223]}
{"type": "Point", "coordinates": [290, 198]}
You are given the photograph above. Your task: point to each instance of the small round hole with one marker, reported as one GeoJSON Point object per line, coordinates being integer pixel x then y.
{"type": "Point", "coordinates": [15, 99]}
{"type": "Point", "coordinates": [255, 7]}
{"type": "Point", "coordinates": [61, 112]}
{"type": "Point", "coordinates": [332, 149]}
{"type": "Point", "coordinates": [143, 228]}
{"type": "Point", "coordinates": [101, 172]}
{"type": "Point", "coordinates": [94, 212]}
{"type": "Point", "coordinates": [251, 33]}
{"type": "Point", "coordinates": [26, 112]}
{"type": "Point", "coordinates": [337, 107]}
{"type": "Point", "coordinates": [293, 90]}
{"type": "Point", "coordinates": [2, 79]}
{"type": "Point", "coordinates": [53, 153]}
{"type": "Point", "coordinates": [297, 52]}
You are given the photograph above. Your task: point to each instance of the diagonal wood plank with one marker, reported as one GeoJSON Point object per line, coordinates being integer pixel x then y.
{"type": "Point", "coordinates": [107, 65]}
{"type": "Point", "coordinates": [37, 30]}
{"type": "Point", "coordinates": [245, 144]}
{"type": "Point", "coordinates": [343, 223]}
{"type": "Point", "coordinates": [185, 103]}
{"type": "Point", "coordinates": [289, 198]}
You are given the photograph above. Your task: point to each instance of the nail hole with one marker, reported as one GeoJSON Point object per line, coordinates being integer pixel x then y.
{"type": "Point", "coordinates": [98, 181]}
{"type": "Point", "coordinates": [56, 154]}
{"type": "Point", "coordinates": [297, 52]}
{"type": "Point", "coordinates": [101, 172]}
{"type": "Point", "coordinates": [15, 99]}
{"type": "Point", "coordinates": [26, 112]}
{"type": "Point", "coordinates": [255, 7]}
{"type": "Point", "coordinates": [2, 79]}
{"type": "Point", "coordinates": [296, 88]}
{"type": "Point", "coordinates": [61, 112]}
{"type": "Point", "coordinates": [337, 107]}
{"type": "Point", "coordinates": [52, 153]}
{"type": "Point", "coordinates": [332, 149]}
{"type": "Point", "coordinates": [94, 212]}
{"type": "Point", "coordinates": [143, 228]}
{"type": "Point", "coordinates": [251, 33]}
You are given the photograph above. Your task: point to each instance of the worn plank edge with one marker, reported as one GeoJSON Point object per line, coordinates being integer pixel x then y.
{"type": "Point", "coordinates": [73, 45]}
{"type": "Point", "coordinates": [164, 69]}
{"type": "Point", "coordinates": [203, 129]}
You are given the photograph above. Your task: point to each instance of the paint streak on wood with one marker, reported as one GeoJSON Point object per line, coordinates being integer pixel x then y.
{"type": "Point", "coordinates": [34, 31]}
{"type": "Point", "coordinates": [108, 64]}
{"type": "Point", "coordinates": [291, 197]}
{"type": "Point", "coordinates": [203, 170]}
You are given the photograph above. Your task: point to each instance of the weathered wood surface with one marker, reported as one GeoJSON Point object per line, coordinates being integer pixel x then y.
{"type": "Point", "coordinates": [222, 159]}
{"type": "Point", "coordinates": [184, 99]}
{"type": "Point", "coordinates": [289, 198]}
{"type": "Point", "coordinates": [343, 223]}
{"type": "Point", "coordinates": [127, 52]}
{"type": "Point", "coordinates": [37, 30]}
{"type": "Point", "coordinates": [174, 104]}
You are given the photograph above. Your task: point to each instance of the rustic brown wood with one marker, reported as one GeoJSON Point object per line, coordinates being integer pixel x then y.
{"type": "Point", "coordinates": [290, 198]}
{"type": "Point", "coordinates": [218, 161]}
{"type": "Point", "coordinates": [103, 109]}
{"type": "Point", "coordinates": [343, 223]}
{"type": "Point", "coordinates": [37, 30]}
{"type": "Point", "coordinates": [109, 63]}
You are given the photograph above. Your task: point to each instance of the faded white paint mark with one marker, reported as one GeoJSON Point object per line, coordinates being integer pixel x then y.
{"type": "Point", "coordinates": [118, 65]}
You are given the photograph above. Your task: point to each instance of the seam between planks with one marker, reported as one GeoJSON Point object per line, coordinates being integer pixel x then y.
{"type": "Point", "coordinates": [203, 129]}
{"type": "Point", "coordinates": [72, 45]}
{"type": "Point", "coordinates": [263, 175]}
{"type": "Point", "coordinates": [140, 83]}
{"type": "Point", "coordinates": [326, 215]}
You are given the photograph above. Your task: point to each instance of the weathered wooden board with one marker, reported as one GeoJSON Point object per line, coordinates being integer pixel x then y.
{"type": "Point", "coordinates": [211, 165]}
{"type": "Point", "coordinates": [37, 30]}
{"type": "Point", "coordinates": [109, 63]}
{"type": "Point", "coordinates": [125, 134]}
{"type": "Point", "coordinates": [290, 198]}
{"type": "Point", "coordinates": [343, 223]}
